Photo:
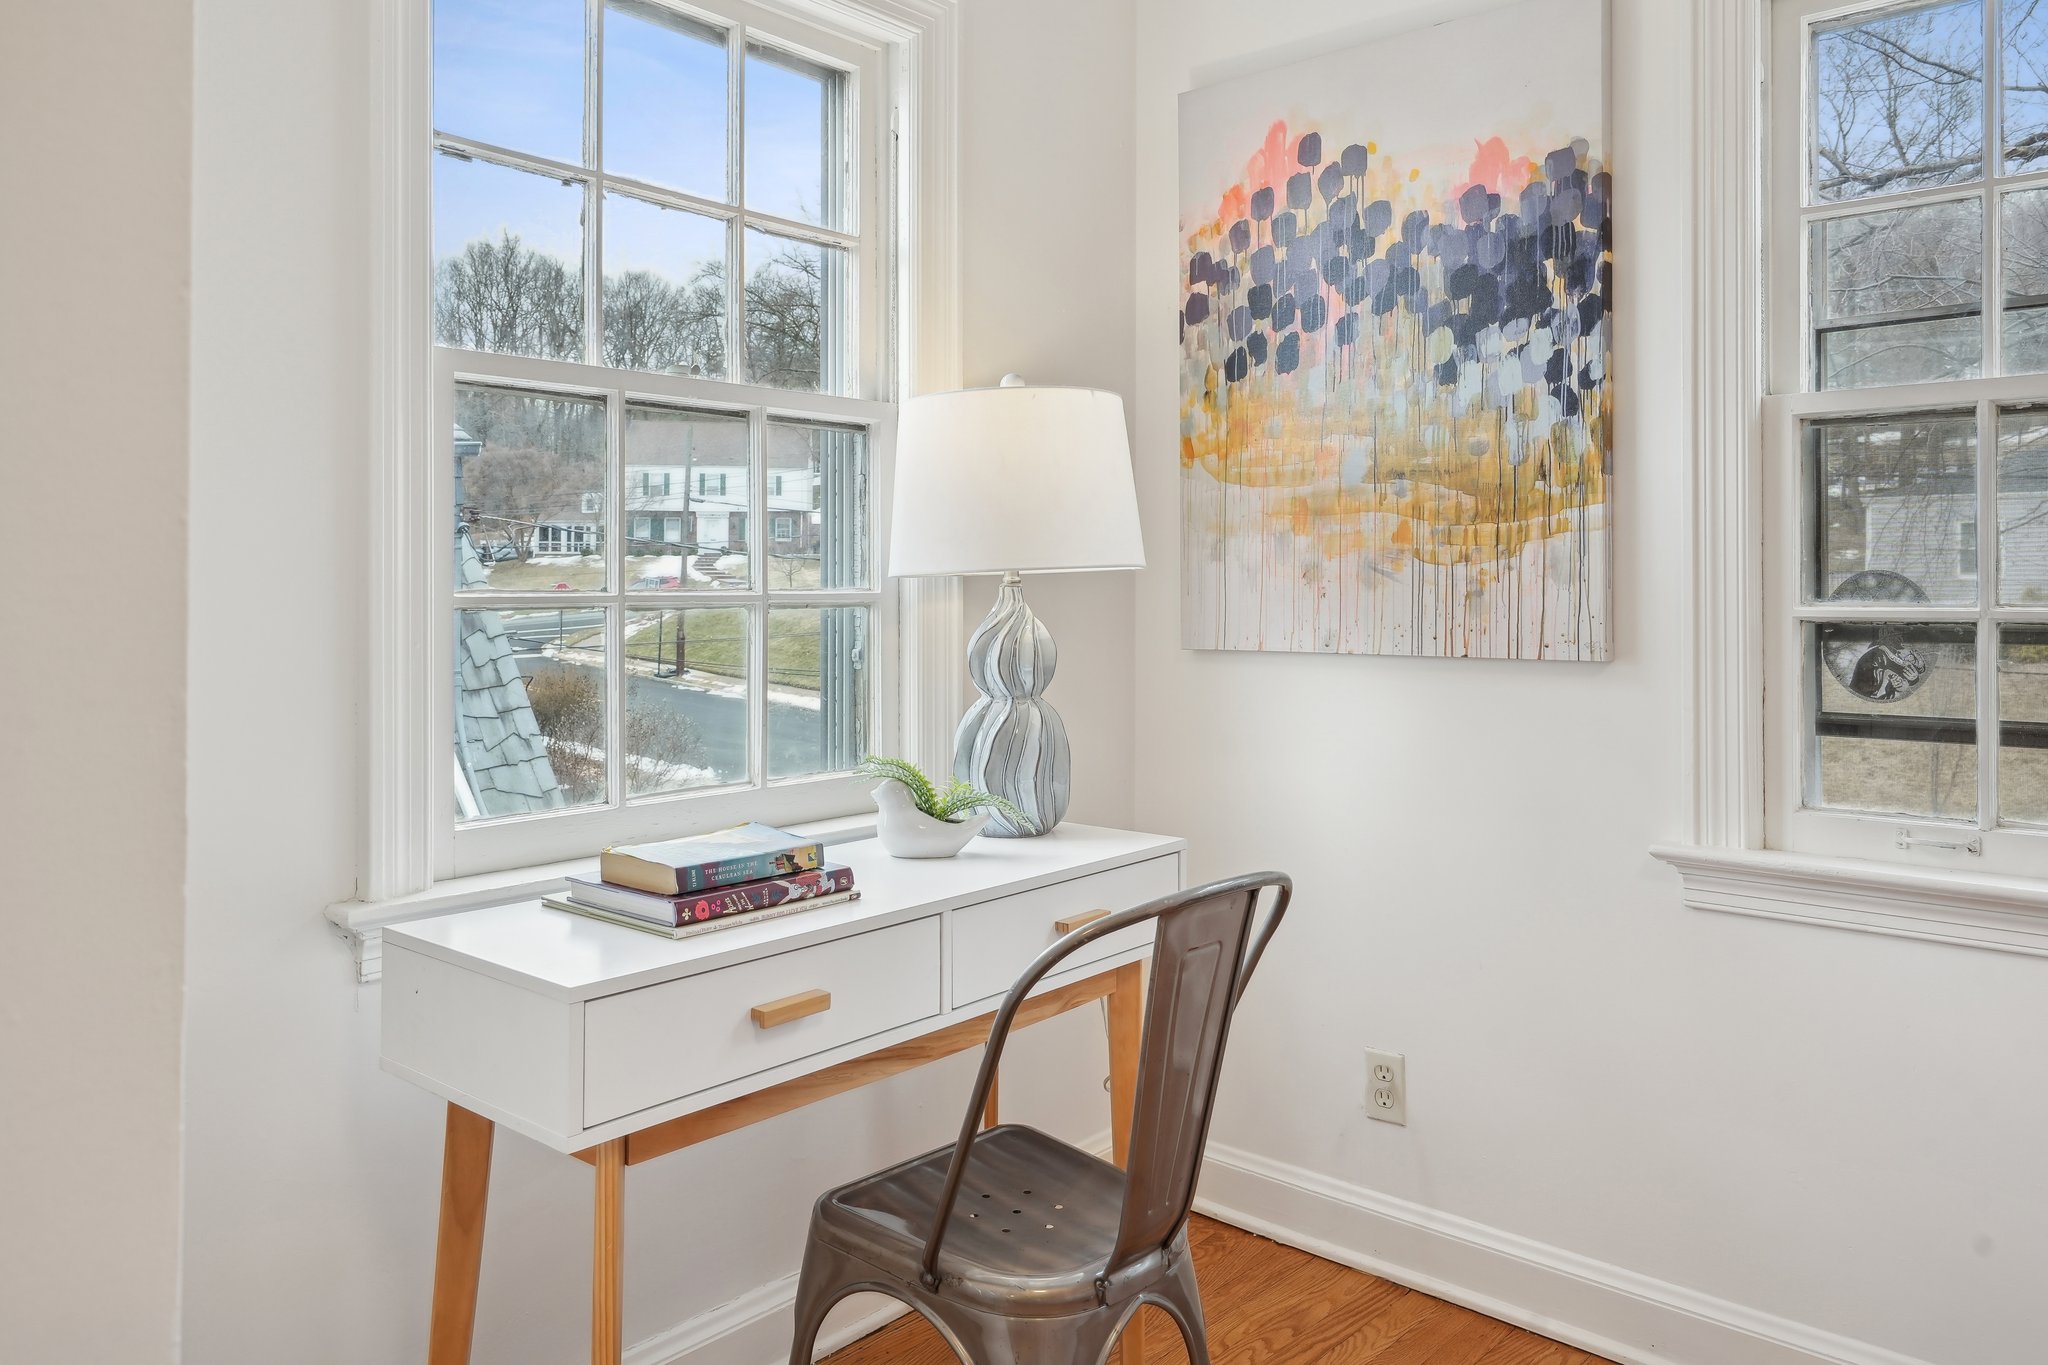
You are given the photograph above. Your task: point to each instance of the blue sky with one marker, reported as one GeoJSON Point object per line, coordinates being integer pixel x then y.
{"type": "Point", "coordinates": [510, 72]}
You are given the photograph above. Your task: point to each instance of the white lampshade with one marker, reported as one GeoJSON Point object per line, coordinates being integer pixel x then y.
{"type": "Point", "coordinates": [1032, 479]}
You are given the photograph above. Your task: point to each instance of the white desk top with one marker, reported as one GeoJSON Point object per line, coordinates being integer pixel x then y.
{"type": "Point", "coordinates": [569, 957]}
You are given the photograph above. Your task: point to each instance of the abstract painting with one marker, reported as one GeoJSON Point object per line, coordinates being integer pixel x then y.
{"type": "Point", "coordinates": [1397, 276]}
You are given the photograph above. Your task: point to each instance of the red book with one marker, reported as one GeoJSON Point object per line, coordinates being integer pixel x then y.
{"type": "Point", "coordinates": [830, 880]}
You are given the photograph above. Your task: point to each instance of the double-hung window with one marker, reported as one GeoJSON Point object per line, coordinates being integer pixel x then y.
{"type": "Point", "coordinates": [661, 278]}
{"type": "Point", "coordinates": [1906, 433]}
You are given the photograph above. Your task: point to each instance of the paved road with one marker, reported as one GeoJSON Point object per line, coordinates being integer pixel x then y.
{"type": "Point", "coordinates": [794, 743]}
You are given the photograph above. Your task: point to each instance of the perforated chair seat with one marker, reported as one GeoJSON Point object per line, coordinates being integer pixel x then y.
{"type": "Point", "coordinates": [1032, 1226]}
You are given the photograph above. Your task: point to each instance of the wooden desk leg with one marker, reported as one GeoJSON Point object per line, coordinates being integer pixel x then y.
{"type": "Point", "coordinates": [988, 1111]}
{"type": "Point", "coordinates": [459, 1248]}
{"type": "Point", "coordinates": [1126, 1036]}
{"type": "Point", "coordinates": [607, 1253]}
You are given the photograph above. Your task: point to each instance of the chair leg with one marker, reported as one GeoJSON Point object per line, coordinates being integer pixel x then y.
{"type": "Point", "coordinates": [989, 1339]}
{"type": "Point", "coordinates": [1184, 1304]}
{"type": "Point", "coordinates": [821, 1283]}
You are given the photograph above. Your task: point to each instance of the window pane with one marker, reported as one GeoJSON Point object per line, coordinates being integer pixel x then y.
{"type": "Point", "coordinates": [2023, 724]}
{"type": "Point", "coordinates": [1896, 295]}
{"type": "Point", "coordinates": [686, 500]}
{"type": "Point", "coordinates": [817, 506]}
{"type": "Point", "coordinates": [797, 306]}
{"type": "Point", "coordinates": [664, 288]}
{"type": "Point", "coordinates": [686, 699]}
{"type": "Point", "coordinates": [1895, 728]}
{"type": "Point", "coordinates": [2026, 84]}
{"type": "Point", "coordinates": [1898, 101]}
{"type": "Point", "coordinates": [2023, 264]}
{"type": "Point", "coordinates": [508, 260]}
{"type": "Point", "coordinates": [1897, 498]}
{"type": "Point", "coordinates": [796, 145]}
{"type": "Point", "coordinates": [529, 711]}
{"type": "Point", "coordinates": [664, 99]}
{"type": "Point", "coordinates": [510, 73]}
{"type": "Point", "coordinates": [817, 689]}
{"type": "Point", "coordinates": [529, 491]}
{"type": "Point", "coordinates": [2023, 506]}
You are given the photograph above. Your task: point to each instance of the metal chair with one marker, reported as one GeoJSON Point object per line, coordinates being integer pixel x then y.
{"type": "Point", "coordinates": [1021, 1249]}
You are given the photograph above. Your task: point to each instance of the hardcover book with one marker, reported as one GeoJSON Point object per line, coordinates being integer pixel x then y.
{"type": "Point", "coordinates": [695, 927]}
{"type": "Point", "coordinates": [702, 862]}
{"type": "Point", "coordinates": [703, 905]}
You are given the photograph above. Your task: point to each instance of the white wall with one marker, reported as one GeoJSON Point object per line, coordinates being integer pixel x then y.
{"type": "Point", "coordinates": [95, 175]}
{"type": "Point", "coordinates": [310, 1176]}
{"type": "Point", "coordinates": [1839, 1129]}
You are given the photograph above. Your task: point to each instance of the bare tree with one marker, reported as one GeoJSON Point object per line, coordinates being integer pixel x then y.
{"type": "Point", "coordinates": [785, 305]}
{"type": "Point", "coordinates": [504, 296]}
{"type": "Point", "coordinates": [651, 324]}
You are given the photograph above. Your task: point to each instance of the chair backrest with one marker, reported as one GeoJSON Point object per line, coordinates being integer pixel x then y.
{"type": "Point", "coordinates": [1204, 952]}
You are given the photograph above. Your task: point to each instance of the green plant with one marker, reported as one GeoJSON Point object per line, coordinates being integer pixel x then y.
{"type": "Point", "coordinates": [949, 803]}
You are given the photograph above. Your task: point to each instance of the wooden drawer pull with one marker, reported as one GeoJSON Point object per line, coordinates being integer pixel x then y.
{"type": "Point", "coordinates": [1072, 922]}
{"type": "Point", "coordinates": [792, 1007]}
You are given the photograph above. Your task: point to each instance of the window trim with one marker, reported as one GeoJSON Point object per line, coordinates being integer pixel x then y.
{"type": "Point", "coordinates": [1723, 863]}
{"type": "Point", "coordinates": [403, 777]}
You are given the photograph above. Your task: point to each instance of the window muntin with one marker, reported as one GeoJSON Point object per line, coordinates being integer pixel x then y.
{"type": "Point", "coordinates": [1904, 292]}
{"type": "Point", "coordinates": [621, 638]}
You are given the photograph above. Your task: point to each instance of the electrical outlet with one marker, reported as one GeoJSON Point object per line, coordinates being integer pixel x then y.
{"type": "Point", "coordinates": [1386, 1087]}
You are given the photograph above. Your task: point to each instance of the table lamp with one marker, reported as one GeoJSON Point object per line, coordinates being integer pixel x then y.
{"type": "Point", "coordinates": [1014, 480]}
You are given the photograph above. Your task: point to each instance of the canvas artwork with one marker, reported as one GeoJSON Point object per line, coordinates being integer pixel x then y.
{"type": "Point", "coordinates": [1395, 395]}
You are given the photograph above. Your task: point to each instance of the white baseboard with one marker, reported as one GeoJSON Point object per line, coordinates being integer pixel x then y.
{"type": "Point", "coordinates": [1612, 1312]}
{"type": "Point", "coordinates": [1605, 1309]}
{"type": "Point", "coordinates": [754, 1329]}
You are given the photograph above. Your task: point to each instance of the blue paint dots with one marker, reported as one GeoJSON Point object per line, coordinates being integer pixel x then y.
{"type": "Point", "coordinates": [1500, 289]}
{"type": "Point", "coordinates": [1287, 355]}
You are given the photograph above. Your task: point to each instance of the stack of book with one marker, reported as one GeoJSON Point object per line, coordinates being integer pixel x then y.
{"type": "Point", "coordinates": [681, 887]}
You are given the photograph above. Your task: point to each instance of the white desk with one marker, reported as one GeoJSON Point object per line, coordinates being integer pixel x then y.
{"type": "Point", "coordinates": [618, 1047]}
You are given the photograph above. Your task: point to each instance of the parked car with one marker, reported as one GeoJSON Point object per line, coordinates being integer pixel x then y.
{"type": "Point", "coordinates": [501, 552]}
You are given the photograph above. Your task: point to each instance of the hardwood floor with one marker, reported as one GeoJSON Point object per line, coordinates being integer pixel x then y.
{"type": "Point", "coordinates": [1272, 1305]}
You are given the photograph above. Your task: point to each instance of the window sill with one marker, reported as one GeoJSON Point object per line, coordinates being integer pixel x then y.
{"type": "Point", "coordinates": [2005, 914]}
{"type": "Point", "coordinates": [361, 923]}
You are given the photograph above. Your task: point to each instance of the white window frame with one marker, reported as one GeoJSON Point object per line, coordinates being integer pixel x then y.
{"type": "Point", "coordinates": [407, 866]}
{"type": "Point", "coordinates": [1727, 860]}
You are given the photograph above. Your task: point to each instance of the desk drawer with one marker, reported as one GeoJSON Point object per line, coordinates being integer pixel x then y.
{"type": "Point", "coordinates": [660, 1043]}
{"type": "Point", "coordinates": [995, 941]}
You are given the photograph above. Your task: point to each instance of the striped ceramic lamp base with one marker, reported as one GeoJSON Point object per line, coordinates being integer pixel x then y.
{"type": "Point", "coordinates": [1011, 742]}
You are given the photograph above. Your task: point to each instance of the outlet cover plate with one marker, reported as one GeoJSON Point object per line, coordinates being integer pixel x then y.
{"type": "Point", "coordinates": [1386, 1087]}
